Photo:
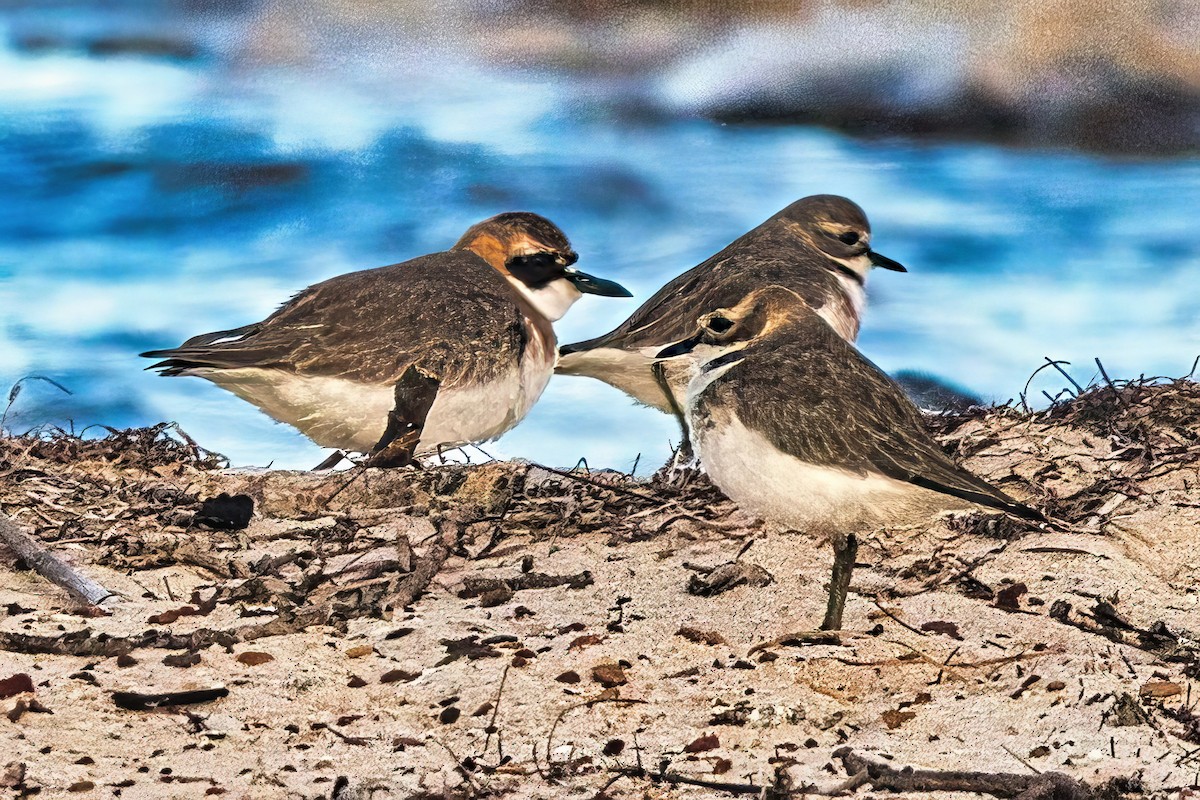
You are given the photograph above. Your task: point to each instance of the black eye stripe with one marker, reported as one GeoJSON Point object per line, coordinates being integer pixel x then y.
{"type": "Point", "coordinates": [536, 269]}
{"type": "Point", "coordinates": [532, 260]}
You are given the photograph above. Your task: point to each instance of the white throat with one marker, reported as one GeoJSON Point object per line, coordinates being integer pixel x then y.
{"type": "Point", "coordinates": [855, 292]}
{"type": "Point", "coordinates": [701, 375]}
{"type": "Point", "coordinates": [551, 300]}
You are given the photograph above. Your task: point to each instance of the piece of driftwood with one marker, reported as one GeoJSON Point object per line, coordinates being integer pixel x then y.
{"type": "Point", "coordinates": [676, 779]}
{"type": "Point", "coordinates": [51, 567]}
{"type": "Point", "coordinates": [417, 581]}
{"type": "Point", "coordinates": [138, 701]}
{"type": "Point", "coordinates": [88, 643]}
{"type": "Point", "coordinates": [426, 568]}
{"type": "Point", "coordinates": [1046, 786]}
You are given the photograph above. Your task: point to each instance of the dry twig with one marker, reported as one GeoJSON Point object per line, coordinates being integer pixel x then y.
{"type": "Point", "coordinates": [51, 567]}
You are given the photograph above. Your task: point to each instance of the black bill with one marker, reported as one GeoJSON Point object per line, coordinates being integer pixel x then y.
{"type": "Point", "coordinates": [590, 284]}
{"type": "Point", "coordinates": [885, 262]}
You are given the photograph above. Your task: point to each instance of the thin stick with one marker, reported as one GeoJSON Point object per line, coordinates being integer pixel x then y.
{"type": "Point", "coordinates": [675, 778]}
{"type": "Point", "coordinates": [1028, 382]}
{"type": "Point", "coordinates": [1111, 385]}
{"type": "Point", "coordinates": [50, 566]}
{"type": "Point", "coordinates": [1065, 374]}
{"type": "Point", "coordinates": [999, 784]}
{"type": "Point", "coordinates": [584, 479]}
{"type": "Point", "coordinates": [495, 713]}
{"type": "Point", "coordinates": [896, 619]}
{"type": "Point", "coordinates": [585, 704]}
{"type": "Point", "coordinates": [1031, 767]}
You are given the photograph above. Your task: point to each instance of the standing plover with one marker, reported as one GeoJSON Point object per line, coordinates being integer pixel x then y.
{"type": "Point", "coordinates": [819, 246]}
{"type": "Point", "coordinates": [445, 349]}
{"type": "Point", "coordinates": [795, 425]}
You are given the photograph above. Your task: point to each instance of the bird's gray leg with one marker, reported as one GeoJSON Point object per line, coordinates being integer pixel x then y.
{"type": "Point", "coordinates": [683, 463]}
{"type": "Point", "coordinates": [845, 551]}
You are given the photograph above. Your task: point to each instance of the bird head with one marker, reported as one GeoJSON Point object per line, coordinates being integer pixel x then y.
{"type": "Point", "coordinates": [838, 228]}
{"type": "Point", "coordinates": [537, 259]}
{"type": "Point", "coordinates": [728, 330]}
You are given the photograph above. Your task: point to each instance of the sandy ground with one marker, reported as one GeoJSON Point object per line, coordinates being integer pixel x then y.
{"type": "Point", "coordinates": [972, 643]}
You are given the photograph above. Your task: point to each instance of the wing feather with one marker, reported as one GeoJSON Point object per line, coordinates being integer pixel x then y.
{"type": "Point", "coordinates": [853, 416]}
{"type": "Point", "coordinates": [436, 312]}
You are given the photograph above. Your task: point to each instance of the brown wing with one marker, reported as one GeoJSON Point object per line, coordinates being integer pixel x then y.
{"type": "Point", "coordinates": [438, 312]}
{"type": "Point", "coordinates": [762, 257]}
{"type": "Point", "coordinates": [833, 407]}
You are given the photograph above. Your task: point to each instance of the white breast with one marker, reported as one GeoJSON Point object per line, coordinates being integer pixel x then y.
{"type": "Point", "coordinates": [349, 415]}
{"type": "Point", "coordinates": [552, 300]}
{"type": "Point", "coordinates": [782, 488]}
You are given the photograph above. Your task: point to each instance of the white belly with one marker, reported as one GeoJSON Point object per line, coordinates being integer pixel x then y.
{"type": "Point", "coordinates": [781, 488]}
{"type": "Point", "coordinates": [348, 415]}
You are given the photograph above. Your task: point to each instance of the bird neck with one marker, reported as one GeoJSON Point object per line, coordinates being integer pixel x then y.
{"type": "Point", "coordinates": [844, 311]}
{"type": "Point", "coordinates": [550, 300]}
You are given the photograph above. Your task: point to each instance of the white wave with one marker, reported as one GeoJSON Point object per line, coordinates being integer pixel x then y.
{"type": "Point", "coordinates": [117, 94]}
{"type": "Point", "coordinates": [821, 61]}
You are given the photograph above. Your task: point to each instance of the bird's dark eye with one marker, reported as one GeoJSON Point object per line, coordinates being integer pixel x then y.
{"type": "Point", "coordinates": [849, 237]}
{"type": "Point", "coordinates": [535, 269]}
{"type": "Point", "coordinates": [719, 324]}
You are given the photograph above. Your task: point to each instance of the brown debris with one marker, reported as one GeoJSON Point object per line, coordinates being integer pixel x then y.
{"type": "Point", "coordinates": [252, 658]}
{"type": "Point", "coordinates": [701, 637]}
{"type": "Point", "coordinates": [587, 640]}
{"type": "Point", "coordinates": [1009, 598]}
{"type": "Point", "coordinates": [502, 590]}
{"type": "Point", "coordinates": [32, 705]}
{"type": "Point", "coordinates": [1160, 689]}
{"type": "Point", "coordinates": [609, 675]}
{"type": "Point", "coordinates": [703, 744]}
{"type": "Point", "coordinates": [468, 647]}
{"type": "Point", "coordinates": [943, 627]}
{"type": "Point", "coordinates": [712, 581]}
{"type": "Point", "coordinates": [423, 545]}
{"type": "Point", "coordinates": [15, 684]}
{"type": "Point", "coordinates": [894, 718]}
{"type": "Point", "coordinates": [399, 676]}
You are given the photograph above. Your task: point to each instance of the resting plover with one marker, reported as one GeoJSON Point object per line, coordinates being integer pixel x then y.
{"type": "Point", "coordinates": [819, 246]}
{"type": "Point", "coordinates": [796, 426]}
{"type": "Point", "coordinates": [446, 349]}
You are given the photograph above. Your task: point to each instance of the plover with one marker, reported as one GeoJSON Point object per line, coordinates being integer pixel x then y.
{"type": "Point", "coordinates": [796, 426]}
{"type": "Point", "coordinates": [819, 246]}
{"type": "Point", "coordinates": [446, 349]}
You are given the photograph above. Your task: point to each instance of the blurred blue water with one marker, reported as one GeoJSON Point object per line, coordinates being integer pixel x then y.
{"type": "Point", "coordinates": [148, 199]}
